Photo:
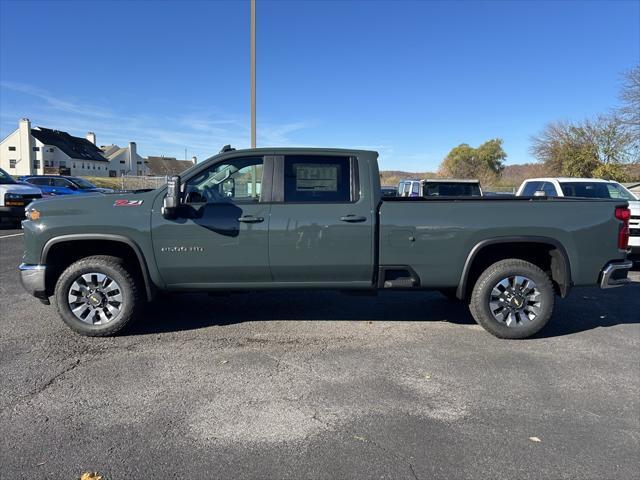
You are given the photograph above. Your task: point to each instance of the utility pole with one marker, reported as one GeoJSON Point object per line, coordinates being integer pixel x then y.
{"type": "Point", "coordinates": [253, 73]}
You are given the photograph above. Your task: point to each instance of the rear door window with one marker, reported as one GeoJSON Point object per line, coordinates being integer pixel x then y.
{"type": "Point", "coordinates": [39, 181]}
{"type": "Point", "coordinates": [585, 189]}
{"type": "Point", "coordinates": [317, 179]}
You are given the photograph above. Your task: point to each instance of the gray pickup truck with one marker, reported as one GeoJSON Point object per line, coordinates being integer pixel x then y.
{"type": "Point", "coordinates": [316, 219]}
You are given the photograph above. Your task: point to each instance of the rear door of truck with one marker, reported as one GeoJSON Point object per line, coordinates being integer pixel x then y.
{"type": "Point", "coordinates": [322, 227]}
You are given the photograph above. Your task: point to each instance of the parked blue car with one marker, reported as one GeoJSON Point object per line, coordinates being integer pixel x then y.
{"type": "Point", "coordinates": [59, 185]}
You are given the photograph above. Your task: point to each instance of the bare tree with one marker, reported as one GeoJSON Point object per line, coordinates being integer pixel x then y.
{"type": "Point", "coordinates": [629, 112]}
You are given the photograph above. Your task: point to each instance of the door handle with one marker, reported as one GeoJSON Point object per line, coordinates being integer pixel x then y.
{"type": "Point", "coordinates": [250, 219]}
{"type": "Point", "coordinates": [353, 218]}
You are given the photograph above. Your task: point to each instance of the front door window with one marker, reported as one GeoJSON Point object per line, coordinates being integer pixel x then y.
{"type": "Point", "coordinates": [238, 181]}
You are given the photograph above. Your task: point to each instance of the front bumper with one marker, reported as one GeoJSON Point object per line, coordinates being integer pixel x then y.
{"type": "Point", "coordinates": [12, 212]}
{"type": "Point", "coordinates": [32, 278]}
{"type": "Point", "coordinates": [615, 274]}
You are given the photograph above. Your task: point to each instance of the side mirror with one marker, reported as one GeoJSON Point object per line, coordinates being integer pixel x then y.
{"type": "Point", "coordinates": [172, 199]}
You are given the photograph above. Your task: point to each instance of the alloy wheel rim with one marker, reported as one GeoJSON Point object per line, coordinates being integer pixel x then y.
{"type": "Point", "coordinates": [95, 298]}
{"type": "Point", "coordinates": [515, 301]}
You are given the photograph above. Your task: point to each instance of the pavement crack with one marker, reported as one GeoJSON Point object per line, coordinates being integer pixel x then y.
{"type": "Point", "coordinates": [395, 455]}
{"type": "Point", "coordinates": [55, 378]}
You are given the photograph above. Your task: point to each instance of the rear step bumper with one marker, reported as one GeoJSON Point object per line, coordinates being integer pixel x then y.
{"type": "Point", "coordinates": [615, 274]}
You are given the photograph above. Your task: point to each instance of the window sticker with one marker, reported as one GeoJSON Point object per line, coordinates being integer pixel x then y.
{"type": "Point", "coordinates": [316, 177]}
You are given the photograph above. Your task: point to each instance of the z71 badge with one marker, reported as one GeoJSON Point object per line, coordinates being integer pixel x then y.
{"type": "Point", "coordinates": [127, 203]}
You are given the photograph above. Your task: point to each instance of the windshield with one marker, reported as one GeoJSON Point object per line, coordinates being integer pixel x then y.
{"type": "Point", "coordinates": [5, 178]}
{"type": "Point", "coordinates": [596, 190]}
{"type": "Point", "coordinates": [82, 183]}
{"type": "Point", "coordinates": [453, 189]}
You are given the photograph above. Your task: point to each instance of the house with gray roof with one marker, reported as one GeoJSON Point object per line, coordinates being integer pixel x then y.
{"type": "Point", "coordinates": [124, 160]}
{"type": "Point", "coordinates": [39, 151]}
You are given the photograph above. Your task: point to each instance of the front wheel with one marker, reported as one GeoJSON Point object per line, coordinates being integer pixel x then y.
{"type": "Point", "coordinates": [97, 296]}
{"type": "Point", "coordinates": [512, 299]}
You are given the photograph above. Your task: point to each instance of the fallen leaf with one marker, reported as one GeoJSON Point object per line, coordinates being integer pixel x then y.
{"type": "Point", "coordinates": [90, 476]}
{"type": "Point", "coordinates": [535, 439]}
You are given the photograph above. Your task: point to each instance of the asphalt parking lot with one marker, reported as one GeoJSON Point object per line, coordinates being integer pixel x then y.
{"type": "Point", "coordinates": [319, 385]}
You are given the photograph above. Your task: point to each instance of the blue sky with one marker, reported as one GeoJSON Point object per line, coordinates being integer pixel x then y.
{"type": "Point", "coordinates": [410, 79]}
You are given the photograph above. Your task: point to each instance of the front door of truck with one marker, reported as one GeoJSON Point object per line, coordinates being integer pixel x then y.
{"type": "Point", "coordinates": [321, 230]}
{"type": "Point", "coordinates": [219, 236]}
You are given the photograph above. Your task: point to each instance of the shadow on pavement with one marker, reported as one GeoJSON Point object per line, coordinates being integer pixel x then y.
{"type": "Point", "coordinates": [585, 309]}
{"type": "Point", "coordinates": [175, 312]}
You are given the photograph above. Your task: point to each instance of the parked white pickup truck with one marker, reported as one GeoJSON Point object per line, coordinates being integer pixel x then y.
{"type": "Point", "coordinates": [14, 197]}
{"type": "Point", "coordinates": [588, 188]}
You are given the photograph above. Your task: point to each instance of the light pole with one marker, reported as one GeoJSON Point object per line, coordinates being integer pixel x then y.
{"type": "Point", "coordinates": [253, 73]}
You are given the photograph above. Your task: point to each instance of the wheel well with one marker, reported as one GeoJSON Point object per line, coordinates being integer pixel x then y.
{"type": "Point", "coordinates": [550, 258]}
{"type": "Point", "coordinates": [61, 255]}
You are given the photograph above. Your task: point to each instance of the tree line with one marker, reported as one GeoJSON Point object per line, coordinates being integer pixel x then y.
{"type": "Point", "coordinates": [603, 146]}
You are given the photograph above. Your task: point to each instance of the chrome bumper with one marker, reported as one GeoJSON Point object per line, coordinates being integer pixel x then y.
{"type": "Point", "coordinates": [32, 278]}
{"type": "Point", "coordinates": [615, 274]}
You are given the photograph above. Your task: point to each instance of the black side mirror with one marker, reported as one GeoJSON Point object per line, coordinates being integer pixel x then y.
{"type": "Point", "coordinates": [172, 199]}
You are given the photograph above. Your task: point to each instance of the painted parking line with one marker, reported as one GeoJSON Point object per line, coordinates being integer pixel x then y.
{"type": "Point", "coordinates": [9, 236]}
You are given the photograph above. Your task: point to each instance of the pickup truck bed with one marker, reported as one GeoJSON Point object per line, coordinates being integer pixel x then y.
{"type": "Point", "coordinates": [315, 218]}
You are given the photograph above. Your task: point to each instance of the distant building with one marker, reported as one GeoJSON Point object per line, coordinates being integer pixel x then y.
{"type": "Point", "coordinates": [160, 166]}
{"type": "Point", "coordinates": [36, 151]}
{"type": "Point", "coordinates": [124, 160]}
{"type": "Point", "coordinates": [39, 151]}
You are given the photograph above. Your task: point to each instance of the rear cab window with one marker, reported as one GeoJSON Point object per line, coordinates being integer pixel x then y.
{"type": "Point", "coordinates": [453, 189]}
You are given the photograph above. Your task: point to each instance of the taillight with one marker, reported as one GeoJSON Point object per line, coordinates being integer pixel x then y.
{"type": "Point", "coordinates": [623, 213]}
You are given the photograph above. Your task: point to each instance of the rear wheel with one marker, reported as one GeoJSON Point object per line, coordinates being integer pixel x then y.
{"type": "Point", "coordinates": [512, 299]}
{"type": "Point", "coordinates": [97, 296]}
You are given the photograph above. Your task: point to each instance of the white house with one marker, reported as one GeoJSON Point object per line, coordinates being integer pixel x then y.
{"type": "Point", "coordinates": [124, 160]}
{"type": "Point", "coordinates": [36, 151]}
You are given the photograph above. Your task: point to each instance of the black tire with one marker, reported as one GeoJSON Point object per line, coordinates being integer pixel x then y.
{"type": "Point", "coordinates": [449, 294]}
{"type": "Point", "coordinates": [114, 268]}
{"type": "Point", "coordinates": [481, 310]}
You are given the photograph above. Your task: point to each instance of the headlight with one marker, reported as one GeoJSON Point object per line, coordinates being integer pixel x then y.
{"type": "Point", "coordinates": [32, 214]}
{"type": "Point", "coordinates": [12, 196]}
